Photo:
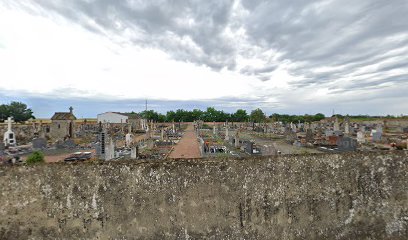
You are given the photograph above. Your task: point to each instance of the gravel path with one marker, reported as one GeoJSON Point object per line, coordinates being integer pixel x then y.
{"type": "Point", "coordinates": [188, 146]}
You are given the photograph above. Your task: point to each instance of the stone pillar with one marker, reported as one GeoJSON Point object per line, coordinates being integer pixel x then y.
{"type": "Point", "coordinates": [347, 128]}
{"type": "Point", "coordinates": [226, 134]}
{"type": "Point", "coordinates": [336, 126]}
{"type": "Point", "coordinates": [110, 150]}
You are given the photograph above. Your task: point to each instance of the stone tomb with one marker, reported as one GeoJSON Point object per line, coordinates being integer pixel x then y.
{"type": "Point", "coordinates": [39, 143]}
{"type": "Point", "coordinates": [346, 144]}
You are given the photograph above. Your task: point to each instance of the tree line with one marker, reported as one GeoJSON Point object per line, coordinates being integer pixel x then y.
{"type": "Point", "coordinates": [213, 115]}
{"type": "Point", "coordinates": [20, 112]}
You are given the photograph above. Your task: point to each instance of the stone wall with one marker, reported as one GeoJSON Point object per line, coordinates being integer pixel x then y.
{"type": "Point", "coordinates": [61, 129]}
{"type": "Point", "coordinates": [352, 196]}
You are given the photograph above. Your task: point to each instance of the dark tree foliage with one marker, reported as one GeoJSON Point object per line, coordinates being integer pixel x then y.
{"type": "Point", "coordinates": [240, 116]}
{"type": "Point", "coordinates": [152, 115]}
{"type": "Point", "coordinates": [17, 110]}
{"type": "Point", "coordinates": [258, 115]}
{"type": "Point", "coordinates": [285, 118]}
{"type": "Point", "coordinates": [213, 115]}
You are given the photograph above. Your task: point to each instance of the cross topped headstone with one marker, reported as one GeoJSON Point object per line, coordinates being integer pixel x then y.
{"type": "Point", "coordinates": [9, 121]}
{"type": "Point", "coordinates": [9, 136]}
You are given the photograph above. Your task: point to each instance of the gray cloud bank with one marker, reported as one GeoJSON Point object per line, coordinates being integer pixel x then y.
{"type": "Point", "coordinates": [344, 46]}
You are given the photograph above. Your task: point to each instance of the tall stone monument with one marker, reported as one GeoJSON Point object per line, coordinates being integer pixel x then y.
{"type": "Point", "coordinates": [9, 136]}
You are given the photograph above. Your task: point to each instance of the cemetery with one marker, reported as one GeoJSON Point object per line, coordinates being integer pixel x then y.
{"type": "Point", "coordinates": [115, 136]}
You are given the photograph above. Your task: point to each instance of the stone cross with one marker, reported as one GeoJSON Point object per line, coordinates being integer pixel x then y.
{"type": "Point", "coordinates": [9, 136]}
{"type": "Point", "coordinates": [9, 121]}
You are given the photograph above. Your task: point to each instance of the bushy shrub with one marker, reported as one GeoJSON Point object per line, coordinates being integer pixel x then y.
{"type": "Point", "coordinates": [35, 157]}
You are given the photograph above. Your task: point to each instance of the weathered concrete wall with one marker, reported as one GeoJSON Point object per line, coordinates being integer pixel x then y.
{"type": "Point", "coordinates": [357, 196]}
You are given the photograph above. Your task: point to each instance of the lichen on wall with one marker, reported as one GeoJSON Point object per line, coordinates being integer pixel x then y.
{"type": "Point", "coordinates": [361, 195]}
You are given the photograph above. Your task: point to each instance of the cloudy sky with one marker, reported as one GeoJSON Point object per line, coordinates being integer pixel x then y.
{"type": "Point", "coordinates": [286, 56]}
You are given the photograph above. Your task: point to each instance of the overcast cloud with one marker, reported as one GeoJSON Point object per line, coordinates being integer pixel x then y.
{"type": "Point", "coordinates": [293, 56]}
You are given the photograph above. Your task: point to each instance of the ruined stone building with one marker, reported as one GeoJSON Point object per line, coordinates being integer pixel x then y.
{"type": "Point", "coordinates": [62, 125]}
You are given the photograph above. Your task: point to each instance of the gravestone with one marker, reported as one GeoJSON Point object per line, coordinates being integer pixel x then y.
{"type": "Point", "coordinates": [346, 144]}
{"type": "Point", "coordinates": [39, 143]}
{"type": "Point", "coordinates": [346, 127]}
{"type": "Point", "coordinates": [129, 137]}
{"type": "Point", "coordinates": [360, 137]}
{"type": "Point", "coordinates": [376, 136]}
{"type": "Point", "coordinates": [249, 147]}
{"type": "Point", "coordinates": [336, 126]}
{"type": "Point", "coordinates": [65, 144]}
{"type": "Point", "coordinates": [309, 135]}
{"type": "Point", "coordinates": [110, 150]}
{"type": "Point", "coordinates": [236, 139]}
{"type": "Point", "coordinates": [202, 146]}
{"type": "Point", "coordinates": [134, 152]}
{"type": "Point", "coordinates": [328, 133]}
{"type": "Point", "coordinates": [379, 128]}
{"type": "Point", "coordinates": [9, 136]}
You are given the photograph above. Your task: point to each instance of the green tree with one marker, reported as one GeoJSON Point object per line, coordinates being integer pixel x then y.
{"type": "Point", "coordinates": [161, 117]}
{"type": "Point", "coordinates": [17, 110]}
{"type": "Point", "coordinates": [239, 116]}
{"type": "Point", "coordinates": [35, 157]}
{"type": "Point", "coordinates": [170, 116]}
{"type": "Point", "coordinates": [150, 115]}
{"type": "Point", "coordinates": [257, 115]}
{"type": "Point", "coordinates": [318, 117]}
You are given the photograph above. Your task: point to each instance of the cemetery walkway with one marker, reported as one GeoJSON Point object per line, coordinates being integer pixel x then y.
{"type": "Point", "coordinates": [188, 146]}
